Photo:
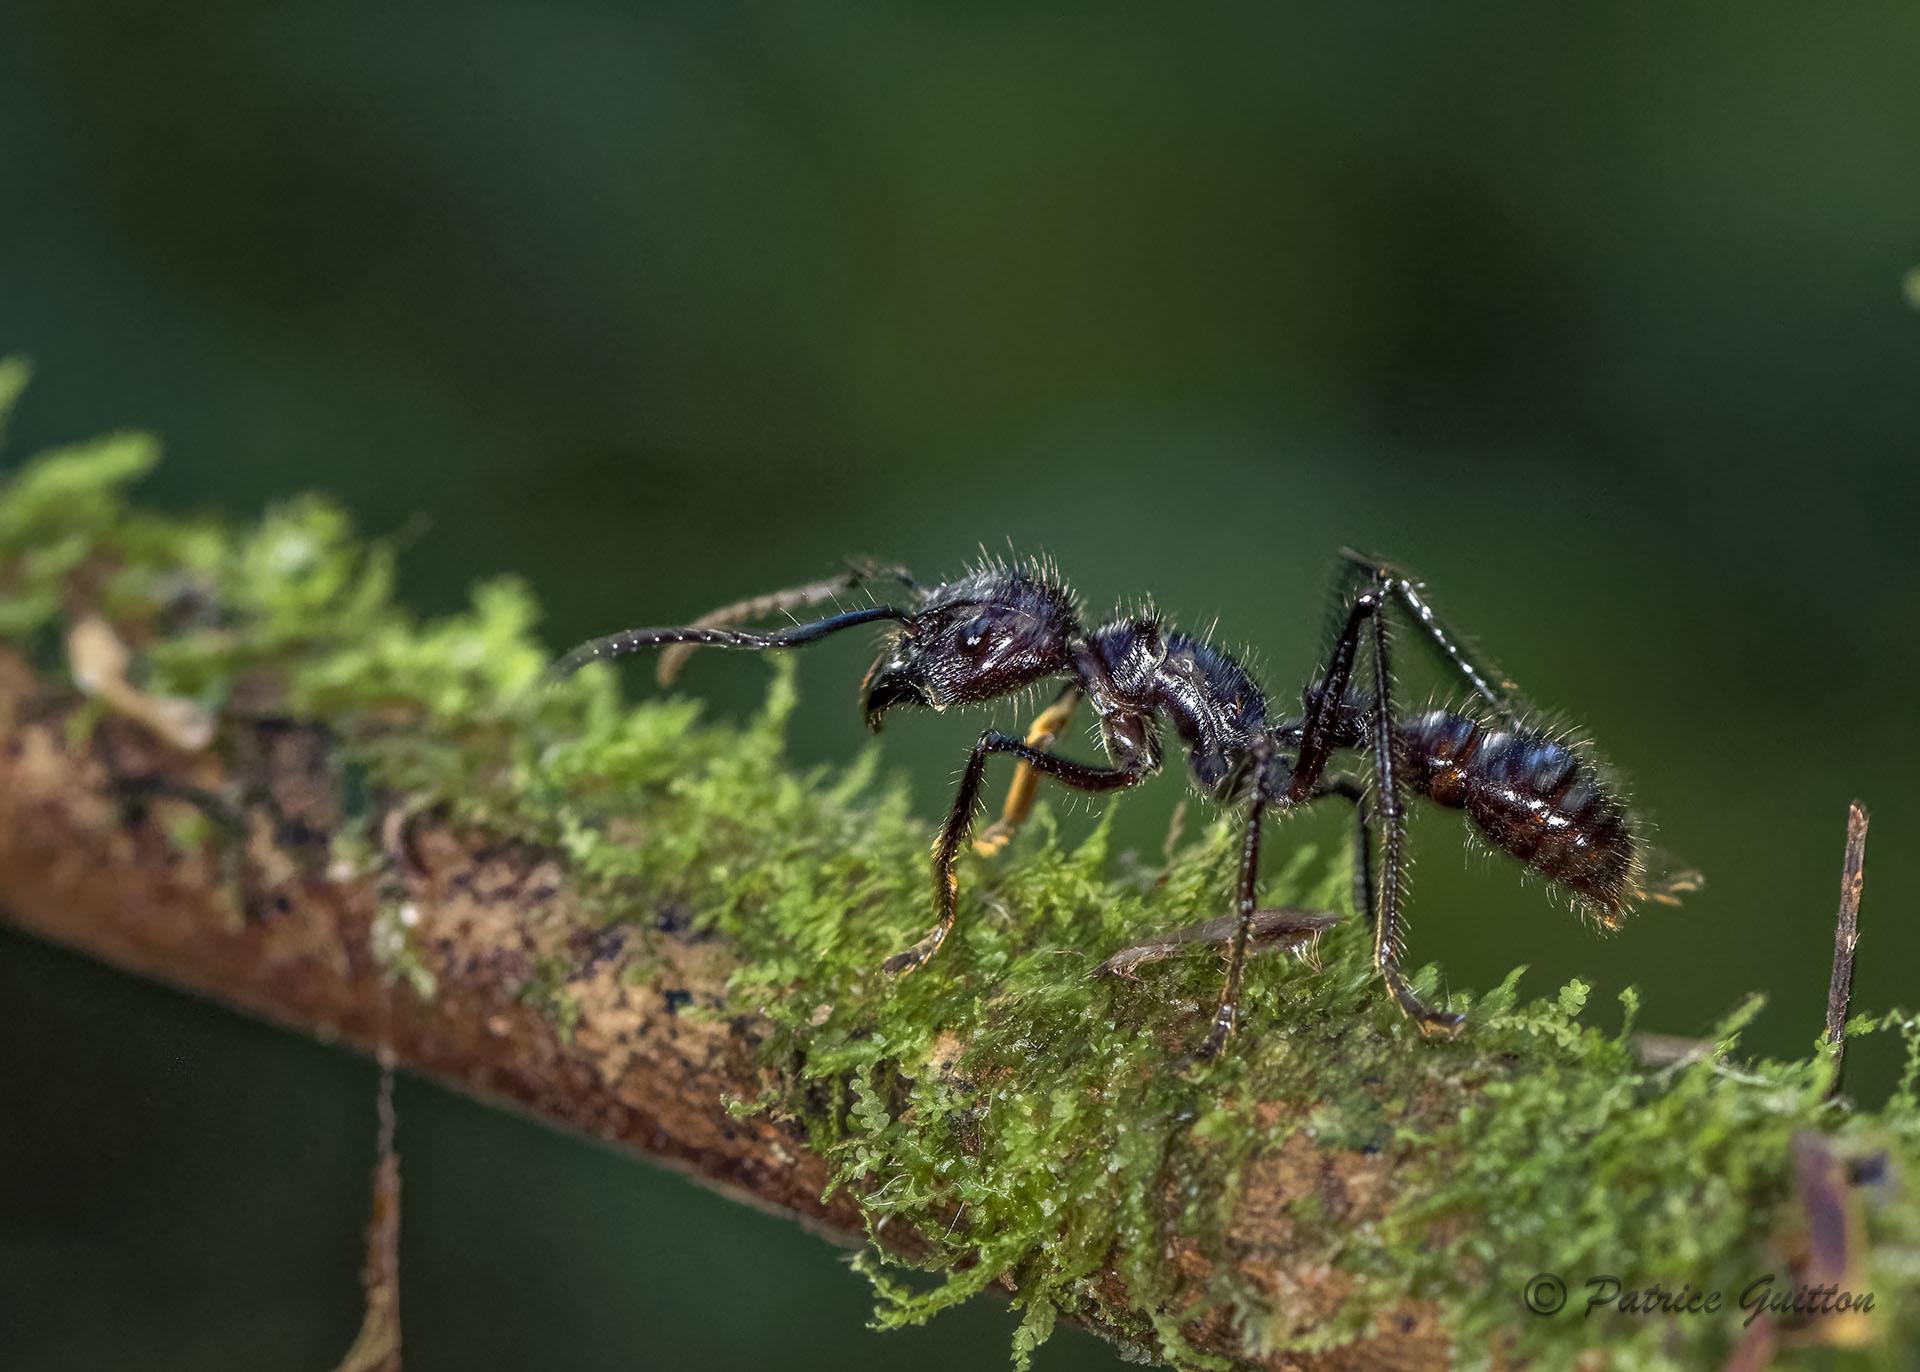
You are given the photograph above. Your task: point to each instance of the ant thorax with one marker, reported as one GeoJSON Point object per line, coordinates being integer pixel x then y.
{"type": "Point", "coordinates": [1214, 706]}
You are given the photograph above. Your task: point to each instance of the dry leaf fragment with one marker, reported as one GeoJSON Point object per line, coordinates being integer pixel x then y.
{"type": "Point", "coordinates": [99, 661]}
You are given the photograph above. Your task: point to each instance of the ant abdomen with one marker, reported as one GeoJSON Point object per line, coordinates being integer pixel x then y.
{"type": "Point", "coordinates": [1533, 796]}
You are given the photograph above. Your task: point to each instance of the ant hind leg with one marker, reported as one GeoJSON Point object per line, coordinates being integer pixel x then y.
{"type": "Point", "coordinates": [1364, 622]}
{"type": "Point", "coordinates": [1388, 931]}
{"type": "Point", "coordinates": [1486, 681]}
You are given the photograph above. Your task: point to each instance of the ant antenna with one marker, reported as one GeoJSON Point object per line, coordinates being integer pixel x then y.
{"type": "Point", "coordinates": [636, 640]}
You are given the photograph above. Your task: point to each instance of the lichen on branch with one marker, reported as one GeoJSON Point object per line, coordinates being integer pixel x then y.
{"type": "Point", "coordinates": [1334, 1192]}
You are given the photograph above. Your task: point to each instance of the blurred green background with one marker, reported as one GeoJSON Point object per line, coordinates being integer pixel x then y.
{"type": "Point", "coordinates": [1593, 315]}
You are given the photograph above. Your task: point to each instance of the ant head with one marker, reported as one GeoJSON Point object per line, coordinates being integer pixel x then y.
{"type": "Point", "coordinates": [975, 639]}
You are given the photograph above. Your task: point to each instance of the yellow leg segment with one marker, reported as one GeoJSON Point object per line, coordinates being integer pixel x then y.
{"type": "Point", "coordinates": [1052, 722]}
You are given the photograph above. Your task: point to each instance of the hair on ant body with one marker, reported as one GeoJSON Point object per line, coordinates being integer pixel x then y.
{"type": "Point", "coordinates": [1000, 629]}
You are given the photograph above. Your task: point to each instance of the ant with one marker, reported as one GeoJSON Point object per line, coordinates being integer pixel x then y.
{"type": "Point", "coordinates": [1001, 629]}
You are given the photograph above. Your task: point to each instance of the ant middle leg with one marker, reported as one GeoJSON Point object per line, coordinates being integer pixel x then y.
{"type": "Point", "coordinates": [1041, 734]}
{"type": "Point", "coordinates": [953, 834]}
{"type": "Point", "coordinates": [1247, 913]}
{"type": "Point", "coordinates": [1355, 792]}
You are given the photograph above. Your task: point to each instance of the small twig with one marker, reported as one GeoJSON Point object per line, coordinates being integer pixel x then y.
{"type": "Point", "coordinates": [1285, 927]}
{"type": "Point", "coordinates": [377, 1347]}
{"type": "Point", "coordinates": [1669, 1051]}
{"type": "Point", "coordinates": [1846, 937]}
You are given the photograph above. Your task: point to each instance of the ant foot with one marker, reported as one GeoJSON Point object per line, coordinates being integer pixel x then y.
{"type": "Point", "coordinates": [909, 959]}
{"type": "Point", "coordinates": [1439, 1024]}
{"type": "Point", "coordinates": [1443, 1024]}
{"type": "Point", "coordinates": [995, 837]}
{"type": "Point", "coordinates": [1217, 1038]}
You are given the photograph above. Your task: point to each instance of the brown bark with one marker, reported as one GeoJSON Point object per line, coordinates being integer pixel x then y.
{"type": "Point", "coordinates": [85, 861]}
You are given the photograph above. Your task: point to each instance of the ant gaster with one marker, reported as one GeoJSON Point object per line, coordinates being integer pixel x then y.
{"type": "Point", "coordinates": [1001, 629]}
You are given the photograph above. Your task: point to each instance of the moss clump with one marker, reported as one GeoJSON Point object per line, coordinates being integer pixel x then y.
{"type": "Point", "coordinates": [1028, 1122]}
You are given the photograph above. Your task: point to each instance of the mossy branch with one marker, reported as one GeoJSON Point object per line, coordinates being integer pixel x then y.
{"type": "Point", "coordinates": [655, 932]}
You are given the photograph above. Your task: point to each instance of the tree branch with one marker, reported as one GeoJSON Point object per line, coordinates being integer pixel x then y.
{"type": "Point", "coordinates": [85, 862]}
{"type": "Point", "coordinates": [83, 865]}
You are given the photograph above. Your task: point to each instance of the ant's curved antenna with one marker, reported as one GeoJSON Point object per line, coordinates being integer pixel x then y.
{"type": "Point", "coordinates": [637, 640]}
{"type": "Point", "coordinates": [783, 603]}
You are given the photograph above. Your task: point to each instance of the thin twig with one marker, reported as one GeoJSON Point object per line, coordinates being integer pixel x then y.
{"type": "Point", "coordinates": [1286, 927]}
{"type": "Point", "coordinates": [1846, 937]}
{"type": "Point", "coordinates": [377, 1347]}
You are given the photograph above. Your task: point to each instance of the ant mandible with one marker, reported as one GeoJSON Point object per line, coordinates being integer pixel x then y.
{"type": "Point", "coordinates": [999, 629]}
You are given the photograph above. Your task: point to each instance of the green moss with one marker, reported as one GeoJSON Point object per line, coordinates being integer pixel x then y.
{"type": "Point", "coordinates": [189, 830]}
{"type": "Point", "coordinates": [394, 947]}
{"type": "Point", "coordinates": [1059, 1131]}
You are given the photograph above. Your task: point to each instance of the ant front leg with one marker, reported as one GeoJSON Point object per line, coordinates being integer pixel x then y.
{"type": "Point", "coordinates": [1041, 734]}
{"type": "Point", "coordinates": [953, 835]}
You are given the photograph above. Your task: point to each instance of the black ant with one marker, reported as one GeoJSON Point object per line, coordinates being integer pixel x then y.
{"type": "Point", "coordinates": [1001, 629]}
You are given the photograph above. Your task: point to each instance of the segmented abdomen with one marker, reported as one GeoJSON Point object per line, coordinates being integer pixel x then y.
{"type": "Point", "coordinates": [1533, 797]}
